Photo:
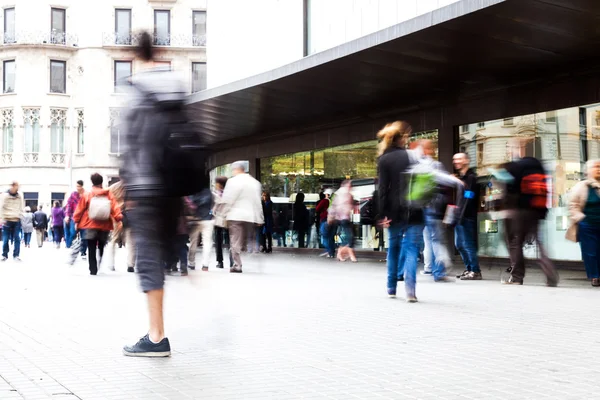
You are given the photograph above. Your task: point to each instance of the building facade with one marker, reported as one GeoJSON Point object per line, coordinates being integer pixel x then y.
{"type": "Point", "coordinates": [60, 102]}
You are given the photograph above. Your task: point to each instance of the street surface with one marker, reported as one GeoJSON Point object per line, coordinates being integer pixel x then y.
{"type": "Point", "coordinates": [294, 327]}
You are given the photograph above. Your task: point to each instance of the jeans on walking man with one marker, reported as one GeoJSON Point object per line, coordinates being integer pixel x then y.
{"type": "Point", "coordinates": [12, 205]}
{"type": "Point", "coordinates": [466, 228]}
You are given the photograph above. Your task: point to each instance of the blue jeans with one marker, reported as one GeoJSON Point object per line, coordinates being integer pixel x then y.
{"type": "Point", "coordinates": [441, 262]}
{"type": "Point", "coordinates": [407, 239]}
{"type": "Point", "coordinates": [11, 231]}
{"type": "Point", "coordinates": [465, 240]}
{"type": "Point", "coordinates": [325, 239]}
{"type": "Point", "coordinates": [589, 240]}
{"type": "Point", "coordinates": [27, 238]}
{"type": "Point", "coordinates": [69, 233]}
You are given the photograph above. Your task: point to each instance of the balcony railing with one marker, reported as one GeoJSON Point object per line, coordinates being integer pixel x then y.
{"type": "Point", "coordinates": [120, 39]}
{"type": "Point", "coordinates": [31, 158]}
{"type": "Point", "coordinates": [57, 158]}
{"type": "Point", "coordinates": [7, 158]}
{"type": "Point", "coordinates": [40, 38]}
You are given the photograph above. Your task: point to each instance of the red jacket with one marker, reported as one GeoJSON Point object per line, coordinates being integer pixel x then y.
{"type": "Point", "coordinates": [82, 219]}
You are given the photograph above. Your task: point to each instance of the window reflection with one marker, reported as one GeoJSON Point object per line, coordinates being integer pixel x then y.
{"type": "Point", "coordinates": [562, 139]}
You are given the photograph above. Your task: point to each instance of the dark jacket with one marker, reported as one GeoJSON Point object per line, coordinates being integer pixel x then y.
{"type": "Point", "coordinates": [469, 204]}
{"type": "Point", "coordinates": [515, 198]}
{"type": "Point", "coordinates": [301, 217]}
{"type": "Point", "coordinates": [203, 204]}
{"type": "Point", "coordinates": [40, 220]}
{"type": "Point", "coordinates": [393, 186]}
{"type": "Point", "coordinates": [267, 207]}
{"type": "Point", "coordinates": [154, 93]}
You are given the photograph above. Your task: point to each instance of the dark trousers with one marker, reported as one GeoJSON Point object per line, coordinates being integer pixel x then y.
{"type": "Point", "coordinates": [153, 226]}
{"type": "Point", "coordinates": [520, 226]}
{"type": "Point", "coordinates": [58, 233]}
{"type": "Point", "coordinates": [179, 253]}
{"type": "Point", "coordinates": [220, 237]}
{"type": "Point", "coordinates": [266, 240]}
{"type": "Point", "coordinates": [301, 236]}
{"type": "Point", "coordinates": [589, 240]}
{"type": "Point", "coordinates": [92, 245]}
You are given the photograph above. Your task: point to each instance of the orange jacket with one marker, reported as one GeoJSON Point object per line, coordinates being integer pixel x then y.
{"type": "Point", "coordinates": [81, 213]}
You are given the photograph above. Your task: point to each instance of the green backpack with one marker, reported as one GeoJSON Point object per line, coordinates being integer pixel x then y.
{"type": "Point", "coordinates": [421, 188]}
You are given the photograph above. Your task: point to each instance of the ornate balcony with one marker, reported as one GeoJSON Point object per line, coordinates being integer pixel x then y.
{"type": "Point", "coordinates": [7, 158]}
{"type": "Point", "coordinates": [118, 39]}
{"type": "Point", "coordinates": [40, 38]}
{"type": "Point", "coordinates": [57, 158]}
{"type": "Point", "coordinates": [31, 158]}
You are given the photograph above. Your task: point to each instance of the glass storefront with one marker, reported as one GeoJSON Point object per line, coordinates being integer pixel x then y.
{"type": "Point", "coordinates": [563, 140]}
{"type": "Point", "coordinates": [311, 172]}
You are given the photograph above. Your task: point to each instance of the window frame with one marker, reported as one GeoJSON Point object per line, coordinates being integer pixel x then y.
{"type": "Point", "coordinates": [194, 33]}
{"type": "Point", "coordinates": [6, 11]}
{"type": "Point", "coordinates": [115, 81]}
{"type": "Point", "coordinates": [128, 40]}
{"type": "Point", "coordinates": [156, 39]}
{"type": "Point", "coordinates": [64, 25]}
{"type": "Point", "coordinates": [64, 63]}
{"type": "Point", "coordinates": [4, 62]}
{"type": "Point", "coordinates": [205, 83]}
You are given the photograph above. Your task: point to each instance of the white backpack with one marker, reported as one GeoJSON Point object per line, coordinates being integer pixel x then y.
{"type": "Point", "coordinates": [99, 208]}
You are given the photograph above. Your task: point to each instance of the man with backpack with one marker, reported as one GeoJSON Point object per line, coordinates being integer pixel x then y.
{"type": "Point", "coordinates": [162, 160]}
{"type": "Point", "coordinates": [95, 213]}
{"type": "Point", "coordinates": [526, 207]}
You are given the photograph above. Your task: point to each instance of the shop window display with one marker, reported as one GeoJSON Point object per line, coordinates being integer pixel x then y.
{"type": "Point", "coordinates": [563, 140]}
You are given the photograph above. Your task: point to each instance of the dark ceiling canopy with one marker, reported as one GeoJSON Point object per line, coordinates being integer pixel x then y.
{"type": "Point", "coordinates": [468, 47]}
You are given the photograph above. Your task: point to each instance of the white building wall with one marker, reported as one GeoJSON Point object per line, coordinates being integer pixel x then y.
{"type": "Point", "coordinates": [250, 37]}
{"type": "Point", "coordinates": [89, 25]}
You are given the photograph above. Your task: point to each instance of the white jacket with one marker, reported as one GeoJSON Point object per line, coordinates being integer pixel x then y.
{"type": "Point", "coordinates": [241, 199]}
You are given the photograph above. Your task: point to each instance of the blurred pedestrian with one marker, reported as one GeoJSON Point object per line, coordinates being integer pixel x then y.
{"type": "Point", "coordinates": [58, 221]}
{"type": "Point", "coordinates": [342, 209]}
{"type": "Point", "coordinates": [465, 232]}
{"type": "Point", "coordinates": [27, 226]}
{"type": "Point", "coordinates": [220, 221]}
{"type": "Point", "coordinates": [405, 225]}
{"type": "Point", "coordinates": [267, 228]}
{"type": "Point", "coordinates": [11, 208]}
{"type": "Point", "coordinates": [526, 207]}
{"type": "Point", "coordinates": [162, 159]}
{"type": "Point", "coordinates": [201, 223]}
{"type": "Point", "coordinates": [584, 211]}
{"type": "Point", "coordinates": [95, 213]}
{"type": "Point", "coordinates": [179, 249]}
{"type": "Point", "coordinates": [322, 211]}
{"type": "Point", "coordinates": [242, 208]}
{"type": "Point", "coordinates": [121, 234]}
{"type": "Point", "coordinates": [69, 211]}
{"type": "Point", "coordinates": [40, 224]}
{"type": "Point", "coordinates": [301, 219]}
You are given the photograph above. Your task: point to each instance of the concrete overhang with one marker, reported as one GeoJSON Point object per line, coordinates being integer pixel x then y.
{"type": "Point", "coordinates": [466, 48]}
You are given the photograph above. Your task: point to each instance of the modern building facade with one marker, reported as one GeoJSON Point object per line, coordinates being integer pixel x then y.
{"type": "Point", "coordinates": [60, 63]}
{"type": "Point", "coordinates": [472, 73]}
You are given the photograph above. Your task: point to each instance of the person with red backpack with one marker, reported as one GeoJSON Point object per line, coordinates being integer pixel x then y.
{"type": "Point", "coordinates": [95, 213]}
{"type": "Point", "coordinates": [526, 206]}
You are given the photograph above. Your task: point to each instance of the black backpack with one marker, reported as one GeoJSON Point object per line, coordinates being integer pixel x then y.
{"type": "Point", "coordinates": [185, 155]}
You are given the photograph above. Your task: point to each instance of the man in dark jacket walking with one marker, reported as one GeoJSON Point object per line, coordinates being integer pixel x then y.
{"type": "Point", "coordinates": [526, 204]}
{"type": "Point", "coordinates": [40, 224]}
{"type": "Point", "coordinates": [465, 233]}
{"type": "Point", "coordinates": [152, 213]}
{"type": "Point", "coordinates": [405, 224]}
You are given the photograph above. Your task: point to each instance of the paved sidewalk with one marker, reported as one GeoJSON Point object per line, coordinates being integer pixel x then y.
{"type": "Point", "coordinates": [293, 327]}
